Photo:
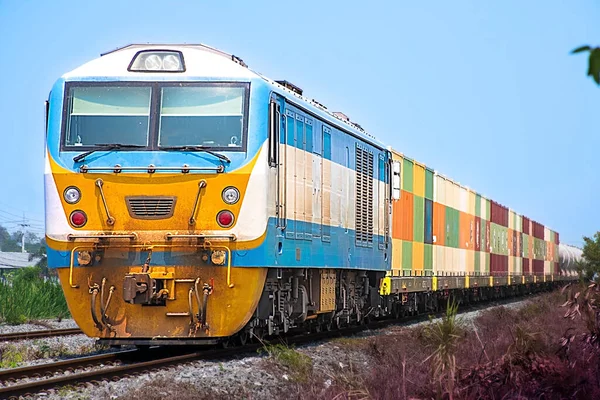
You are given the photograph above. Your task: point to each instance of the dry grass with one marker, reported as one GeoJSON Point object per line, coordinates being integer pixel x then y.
{"type": "Point", "coordinates": [507, 353]}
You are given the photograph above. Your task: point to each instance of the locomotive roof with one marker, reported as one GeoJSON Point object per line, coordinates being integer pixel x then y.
{"type": "Point", "coordinates": [203, 60]}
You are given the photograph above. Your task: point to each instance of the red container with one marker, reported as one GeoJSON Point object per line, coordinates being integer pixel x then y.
{"type": "Point", "coordinates": [498, 264]}
{"type": "Point", "coordinates": [538, 267]}
{"type": "Point", "coordinates": [556, 238]}
{"type": "Point", "coordinates": [556, 269]}
{"type": "Point", "coordinates": [499, 213]}
{"type": "Point", "coordinates": [526, 266]}
{"type": "Point", "coordinates": [526, 225]}
{"type": "Point", "coordinates": [538, 230]}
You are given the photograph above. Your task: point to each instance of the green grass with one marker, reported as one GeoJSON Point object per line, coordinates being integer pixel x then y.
{"type": "Point", "coordinates": [299, 365]}
{"type": "Point", "coordinates": [26, 295]}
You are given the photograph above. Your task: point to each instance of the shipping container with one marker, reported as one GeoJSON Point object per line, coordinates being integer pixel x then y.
{"type": "Point", "coordinates": [478, 234]}
{"type": "Point", "coordinates": [452, 227]}
{"type": "Point", "coordinates": [418, 257]}
{"type": "Point", "coordinates": [407, 250]}
{"type": "Point", "coordinates": [538, 267]}
{"type": "Point", "coordinates": [463, 199]}
{"type": "Point", "coordinates": [546, 234]}
{"type": "Point", "coordinates": [418, 219]}
{"type": "Point", "coordinates": [472, 201]}
{"type": "Point", "coordinates": [429, 184]}
{"type": "Point", "coordinates": [511, 265]}
{"type": "Point", "coordinates": [478, 206]}
{"type": "Point", "coordinates": [499, 214]}
{"type": "Point", "coordinates": [464, 232]}
{"type": "Point", "coordinates": [439, 189]}
{"type": "Point", "coordinates": [525, 225]}
{"type": "Point", "coordinates": [439, 224]}
{"type": "Point", "coordinates": [488, 237]}
{"type": "Point", "coordinates": [485, 263]}
{"type": "Point", "coordinates": [510, 244]}
{"type": "Point", "coordinates": [469, 255]}
{"type": "Point", "coordinates": [407, 175]}
{"type": "Point", "coordinates": [557, 239]}
{"type": "Point", "coordinates": [526, 270]}
{"type": "Point", "coordinates": [458, 264]}
{"type": "Point", "coordinates": [403, 215]}
{"type": "Point", "coordinates": [448, 259]}
{"type": "Point", "coordinates": [477, 262]}
{"type": "Point", "coordinates": [439, 259]}
{"type": "Point", "coordinates": [419, 179]}
{"type": "Point", "coordinates": [511, 219]}
{"type": "Point", "coordinates": [428, 228]}
{"type": "Point", "coordinates": [428, 258]}
{"type": "Point", "coordinates": [396, 254]}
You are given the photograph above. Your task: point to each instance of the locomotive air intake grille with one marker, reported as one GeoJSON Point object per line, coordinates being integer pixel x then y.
{"type": "Point", "coordinates": [150, 207]}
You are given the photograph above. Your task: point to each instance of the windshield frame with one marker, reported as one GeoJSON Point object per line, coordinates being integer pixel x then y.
{"type": "Point", "coordinates": [154, 118]}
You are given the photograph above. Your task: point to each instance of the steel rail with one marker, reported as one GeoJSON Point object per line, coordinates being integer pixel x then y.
{"type": "Point", "coordinates": [6, 337]}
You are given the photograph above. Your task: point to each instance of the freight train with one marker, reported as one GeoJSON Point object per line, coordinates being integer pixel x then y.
{"type": "Point", "coordinates": [191, 200]}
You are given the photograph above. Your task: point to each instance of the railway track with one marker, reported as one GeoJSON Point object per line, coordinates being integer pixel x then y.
{"type": "Point", "coordinates": [7, 337]}
{"type": "Point", "coordinates": [119, 364]}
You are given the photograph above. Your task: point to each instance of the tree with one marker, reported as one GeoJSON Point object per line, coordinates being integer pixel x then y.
{"type": "Point", "coordinates": [591, 256]}
{"type": "Point", "coordinates": [593, 62]}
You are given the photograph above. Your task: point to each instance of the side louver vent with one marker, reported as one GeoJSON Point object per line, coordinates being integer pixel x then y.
{"type": "Point", "coordinates": [150, 207]}
{"type": "Point", "coordinates": [364, 197]}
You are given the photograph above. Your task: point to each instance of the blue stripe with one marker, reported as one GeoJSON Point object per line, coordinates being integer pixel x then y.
{"type": "Point", "coordinates": [340, 252]}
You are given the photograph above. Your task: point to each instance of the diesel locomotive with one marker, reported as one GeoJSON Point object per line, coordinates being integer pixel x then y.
{"type": "Point", "coordinates": [191, 200]}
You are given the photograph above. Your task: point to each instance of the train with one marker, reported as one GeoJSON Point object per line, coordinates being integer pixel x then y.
{"type": "Point", "coordinates": [191, 200]}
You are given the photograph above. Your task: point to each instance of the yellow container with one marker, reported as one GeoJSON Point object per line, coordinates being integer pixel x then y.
{"type": "Point", "coordinates": [418, 258]}
{"type": "Point", "coordinates": [419, 180]}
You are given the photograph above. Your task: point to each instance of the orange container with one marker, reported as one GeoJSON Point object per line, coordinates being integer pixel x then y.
{"type": "Point", "coordinates": [466, 231]}
{"type": "Point", "coordinates": [439, 223]}
{"type": "Point", "coordinates": [403, 217]}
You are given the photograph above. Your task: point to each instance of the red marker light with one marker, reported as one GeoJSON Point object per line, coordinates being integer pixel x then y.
{"type": "Point", "coordinates": [78, 218]}
{"type": "Point", "coordinates": [225, 218]}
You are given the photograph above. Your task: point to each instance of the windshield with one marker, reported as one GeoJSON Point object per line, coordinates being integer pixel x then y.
{"type": "Point", "coordinates": [110, 114]}
{"type": "Point", "coordinates": [156, 115]}
{"type": "Point", "coordinates": [210, 116]}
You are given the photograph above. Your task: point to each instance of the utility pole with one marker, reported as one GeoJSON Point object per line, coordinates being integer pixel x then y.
{"type": "Point", "coordinates": [23, 225]}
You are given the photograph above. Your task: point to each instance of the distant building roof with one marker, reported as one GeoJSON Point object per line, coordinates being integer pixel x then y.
{"type": "Point", "coordinates": [9, 260]}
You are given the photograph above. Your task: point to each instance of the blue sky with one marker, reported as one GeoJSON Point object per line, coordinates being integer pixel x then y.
{"type": "Point", "coordinates": [485, 92]}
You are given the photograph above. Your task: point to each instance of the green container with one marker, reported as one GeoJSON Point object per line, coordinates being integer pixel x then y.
{"type": "Point", "coordinates": [452, 220]}
{"type": "Point", "coordinates": [488, 207]}
{"type": "Point", "coordinates": [525, 245]}
{"type": "Point", "coordinates": [477, 205]}
{"type": "Point", "coordinates": [428, 259]}
{"type": "Point", "coordinates": [418, 219]}
{"type": "Point", "coordinates": [477, 261]}
{"type": "Point", "coordinates": [407, 175]}
{"type": "Point", "coordinates": [407, 250]}
{"type": "Point", "coordinates": [429, 184]}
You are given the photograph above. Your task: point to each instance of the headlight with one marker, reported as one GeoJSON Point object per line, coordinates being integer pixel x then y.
{"type": "Point", "coordinates": [72, 195]}
{"type": "Point", "coordinates": [230, 195]}
{"type": "Point", "coordinates": [153, 62]}
{"type": "Point", "coordinates": [157, 61]}
{"type": "Point", "coordinates": [171, 63]}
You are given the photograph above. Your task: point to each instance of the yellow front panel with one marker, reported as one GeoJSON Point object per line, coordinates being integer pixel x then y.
{"type": "Point", "coordinates": [229, 309]}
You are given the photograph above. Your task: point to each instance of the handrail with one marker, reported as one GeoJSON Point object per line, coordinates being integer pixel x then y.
{"type": "Point", "coordinates": [171, 236]}
{"type": "Point", "coordinates": [201, 184]}
{"type": "Point", "coordinates": [109, 219]}
{"type": "Point", "coordinates": [184, 169]}
{"type": "Point", "coordinates": [131, 236]}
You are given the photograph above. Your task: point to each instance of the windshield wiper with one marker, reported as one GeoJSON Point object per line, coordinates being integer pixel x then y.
{"type": "Point", "coordinates": [197, 148]}
{"type": "Point", "coordinates": [105, 147]}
